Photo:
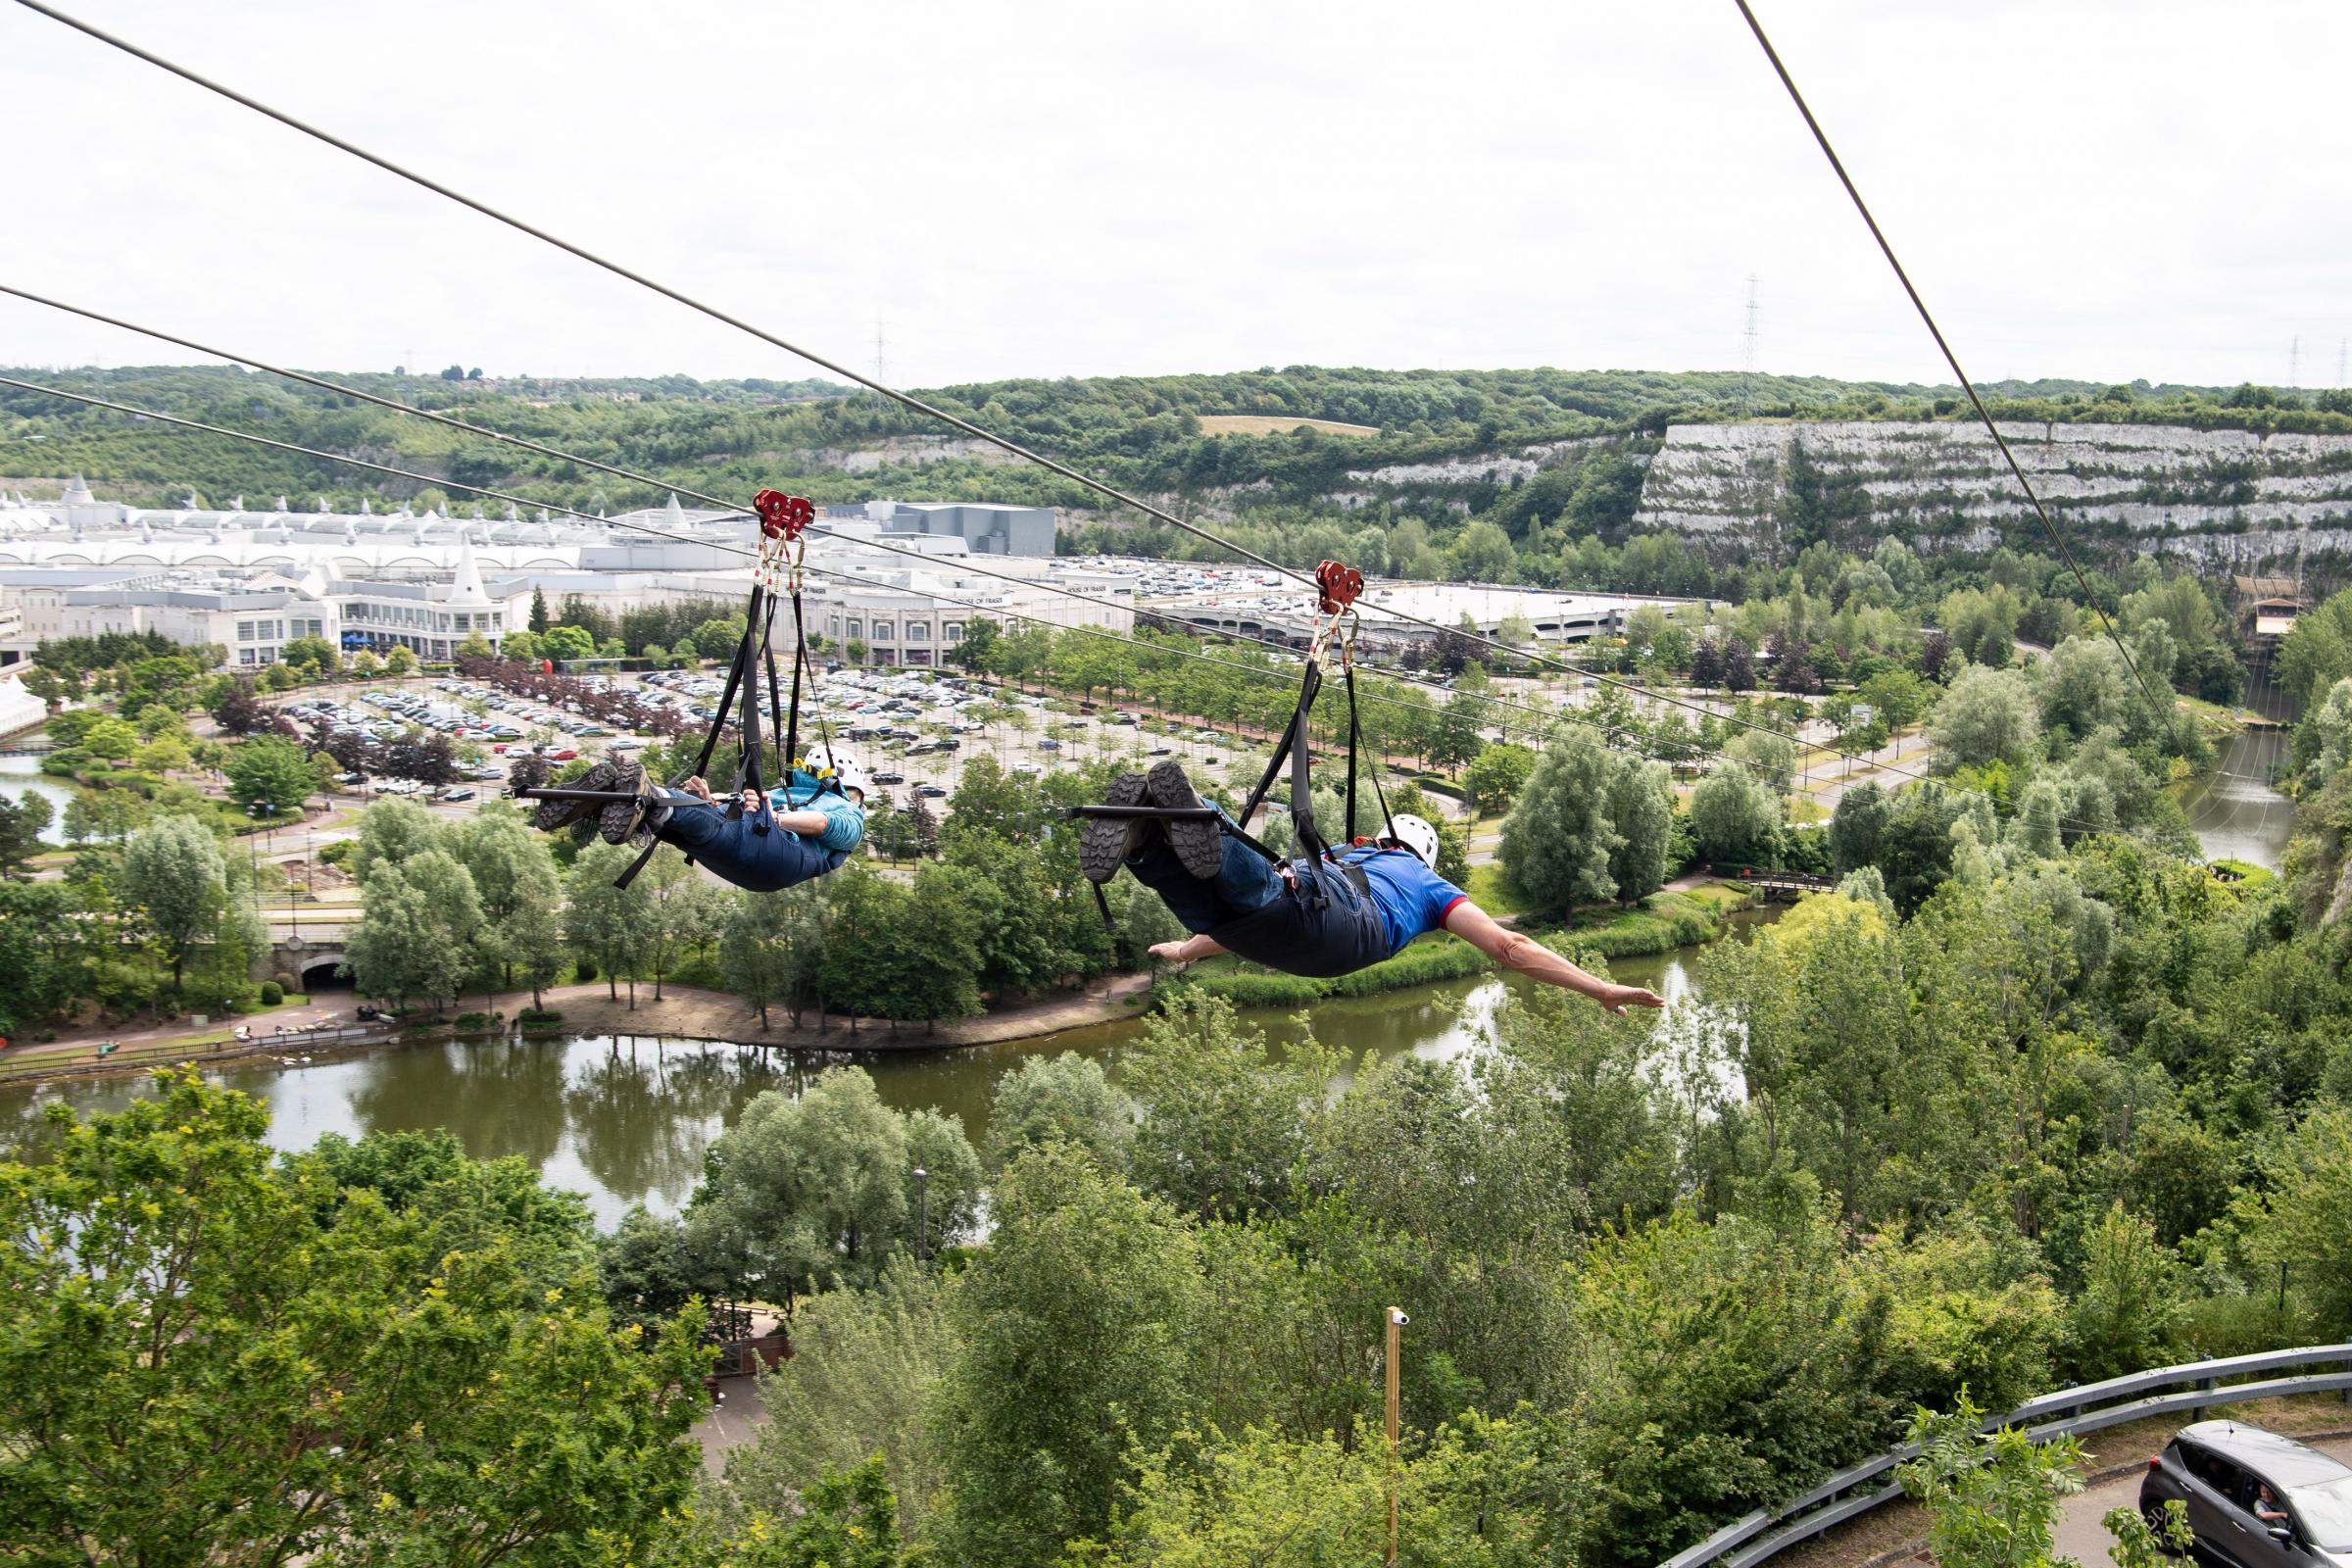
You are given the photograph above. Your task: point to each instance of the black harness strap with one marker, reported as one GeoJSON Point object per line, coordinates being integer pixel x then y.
{"type": "Point", "coordinates": [1292, 737]}
{"type": "Point", "coordinates": [1388, 819]}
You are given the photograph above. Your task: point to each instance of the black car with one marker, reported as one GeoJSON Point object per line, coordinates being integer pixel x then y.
{"type": "Point", "coordinates": [2255, 1499]}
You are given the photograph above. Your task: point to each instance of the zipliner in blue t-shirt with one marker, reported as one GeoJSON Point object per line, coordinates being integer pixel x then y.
{"type": "Point", "coordinates": [1413, 900]}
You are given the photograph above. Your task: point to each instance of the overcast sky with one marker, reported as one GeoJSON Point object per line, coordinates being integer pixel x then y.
{"type": "Point", "coordinates": [2107, 190]}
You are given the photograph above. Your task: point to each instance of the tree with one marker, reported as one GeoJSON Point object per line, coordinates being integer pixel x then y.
{"type": "Point", "coordinates": [1641, 816]}
{"type": "Point", "coordinates": [314, 1375]}
{"type": "Point", "coordinates": [539, 621]}
{"type": "Point", "coordinates": [800, 1193]}
{"type": "Point", "coordinates": [521, 894]}
{"type": "Point", "coordinates": [174, 870]}
{"type": "Point", "coordinates": [1560, 841]}
{"type": "Point", "coordinates": [1058, 1099]}
{"type": "Point", "coordinates": [390, 832]}
{"type": "Point", "coordinates": [567, 643]}
{"type": "Point", "coordinates": [1455, 740]}
{"type": "Point", "coordinates": [604, 921]}
{"type": "Point", "coordinates": [316, 652]}
{"type": "Point", "coordinates": [400, 660]}
{"type": "Point", "coordinates": [419, 923]}
{"type": "Point", "coordinates": [1225, 1127]}
{"type": "Point", "coordinates": [270, 775]}
{"type": "Point", "coordinates": [2125, 1318]}
{"type": "Point", "coordinates": [1739, 667]}
{"type": "Point", "coordinates": [1706, 663]}
{"type": "Point", "coordinates": [23, 821]}
{"type": "Point", "coordinates": [2304, 1221]}
{"type": "Point", "coordinates": [1734, 817]}
{"type": "Point", "coordinates": [1858, 825]}
{"type": "Point", "coordinates": [1986, 715]}
{"type": "Point", "coordinates": [1496, 776]}
{"type": "Point", "coordinates": [979, 642]}
{"type": "Point", "coordinates": [111, 739]}
{"type": "Point", "coordinates": [1075, 1325]}
{"type": "Point", "coordinates": [682, 912]}
{"type": "Point", "coordinates": [768, 945]}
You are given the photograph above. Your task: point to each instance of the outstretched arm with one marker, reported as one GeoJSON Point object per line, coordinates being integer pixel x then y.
{"type": "Point", "coordinates": [806, 823]}
{"type": "Point", "coordinates": [1189, 950]}
{"type": "Point", "coordinates": [1529, 956]}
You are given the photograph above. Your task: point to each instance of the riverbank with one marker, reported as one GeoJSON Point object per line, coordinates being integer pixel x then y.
{"type": "Point", "coordinates": [683, 1012]}
{"type": "Point", "coordinates": [1682, 917]}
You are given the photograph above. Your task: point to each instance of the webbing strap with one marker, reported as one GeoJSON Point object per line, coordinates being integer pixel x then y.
{"type": "Point", "coordinates": [726, 700]}
{"type": "Point", "coordinates": [800, 665]}
{"type": "Point", "coordinates": [1387, 819]}
{"type": "Point", "coordinates": [1307, 689]}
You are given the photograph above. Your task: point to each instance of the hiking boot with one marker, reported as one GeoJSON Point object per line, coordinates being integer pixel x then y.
{"type": "Point", "coordinates": [553, 816]}
{"type": "Point", "coordinates": [1106, 842]}
{"type": "Point", "coordinates": [1198, 842]}
{"type": "Point", "coordinates": [623, 816]}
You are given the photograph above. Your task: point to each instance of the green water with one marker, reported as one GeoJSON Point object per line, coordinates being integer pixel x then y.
{"type": "Point", "coordinates": [626, 1120]}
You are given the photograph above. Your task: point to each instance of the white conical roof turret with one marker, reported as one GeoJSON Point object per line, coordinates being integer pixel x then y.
{"type": "Point", "coordinates": [674, 514]}
{"type": "Point", "coordinates": [77, 492]}
{"type": "Point", "coordinates": [466, 591]}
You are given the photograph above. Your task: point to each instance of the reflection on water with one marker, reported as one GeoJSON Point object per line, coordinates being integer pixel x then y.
{"type": "Point", "coordinates": [2235, 812]}
{"type": "Point", "coordinates": [626, 1120]}
{"type": "Point", "coordinates": [20, 776]}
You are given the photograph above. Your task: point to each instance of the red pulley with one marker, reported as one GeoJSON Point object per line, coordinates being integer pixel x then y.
{"type": "Point", "coordinates": [1337, 584]}
{"type": "Point", "coordinates": [782, 515]}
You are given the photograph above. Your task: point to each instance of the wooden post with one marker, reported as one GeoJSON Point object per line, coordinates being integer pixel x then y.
{"type": "Point", "coordinates": [1395, 1321]}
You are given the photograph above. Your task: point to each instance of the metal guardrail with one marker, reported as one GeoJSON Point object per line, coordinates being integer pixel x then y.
{"type": "Point", "coordinates": [2068, 1412]}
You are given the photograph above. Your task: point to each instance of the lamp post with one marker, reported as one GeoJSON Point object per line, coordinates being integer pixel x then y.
{"type": "Point", "coordinates": [1394, 1320]}
{"type": "Point", "coordinates": [922, 1223]}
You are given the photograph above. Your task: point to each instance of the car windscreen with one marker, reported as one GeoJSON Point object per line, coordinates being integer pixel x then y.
{"type": "Point", "coordinates": [2326, 1513]}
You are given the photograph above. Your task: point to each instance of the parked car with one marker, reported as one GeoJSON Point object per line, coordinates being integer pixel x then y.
{"type": "Point", "coordinates": [890, 778]}
{"type": "Point", "coordinates": [565, 755]}
{"type": "Point", "coordinates": [930, 792]}
{"type": "Point", "coordinates": [457, 792]}
{"type": "Point", "coordinates": [2255, 1499]}
{"type": "Point", "coordinates": [1049, 744]}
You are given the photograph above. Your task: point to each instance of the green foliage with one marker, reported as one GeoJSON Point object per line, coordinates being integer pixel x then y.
{"type": "Point", "coordinates": [272, 993]}
{"type": "Point", "coordinates": [1991, 1503]}
{"type": "Point", "coordinates": [310, 1369]}
{"type": "Point", "coordinates": [1064, 1099]}
{"type": "Point", "coordinates": [1591, 824]}
{"type": "Point", "coordinates": [866, 1367]}
{"type": "Point", "coordinates": [1224, 1128]}
{"type": "Point", "coordinates": [802, 1193]}
{"type": "Point", "coordinates": [269, 776]}
{"type": "Point", "coordinates": [1074, 1329]}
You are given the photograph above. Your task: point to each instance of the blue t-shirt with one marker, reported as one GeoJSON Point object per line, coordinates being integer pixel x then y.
{"type": "Point", "coordinates": [1413, 900]}
{"type": "Point", "coordinates": [845, 823]}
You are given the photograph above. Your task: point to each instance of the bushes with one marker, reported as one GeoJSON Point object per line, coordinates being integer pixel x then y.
{"type": "Point", "coordinates": [272, 993]}
{"type": "Point", "coordinates": [1422, 963]}
{"type": "Point", "coordinates": [538, 1017]}
{"type": "Point", "coordinates": [584, 970]}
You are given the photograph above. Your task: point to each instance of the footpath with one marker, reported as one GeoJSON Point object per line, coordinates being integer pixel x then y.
{"type": "Point", "coordinates": [306, 1030]}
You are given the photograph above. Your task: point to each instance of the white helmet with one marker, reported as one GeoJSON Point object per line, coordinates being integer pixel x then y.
{"type": "Point", "coordinates": [850, 777]}
{"type": "Point", "coordinates": [1409, 832]}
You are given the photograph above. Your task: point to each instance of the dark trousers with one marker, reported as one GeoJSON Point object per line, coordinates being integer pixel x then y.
{"type": "Point", "coordinates": [731, 846]}
{"type": "Point", "coordinates": [1319, 923]}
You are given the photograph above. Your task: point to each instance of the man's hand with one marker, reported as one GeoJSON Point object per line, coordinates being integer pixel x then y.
{"type": "Point", "coordinates": [753, 798]}
{"type": "Point", "coordinates": [1170, 952]}
{"type": "Point", "coordinates": [1619, 997]}
{"type": "Point", "coordinates": [696, 786]}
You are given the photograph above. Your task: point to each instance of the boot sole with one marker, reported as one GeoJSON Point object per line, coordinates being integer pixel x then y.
{"type": "Point", "coordinates": [620, 819]}
{"type": "Point", "coordinates": [1198, 842]}
{"type": "Point", "coordinates": [554, 817]}
{"type": "Point", "coordinates": [1105, 842]}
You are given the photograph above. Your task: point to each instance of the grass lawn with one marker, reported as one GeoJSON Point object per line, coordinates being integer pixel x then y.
{"type": "Point", "coordinates": [1492, 889]}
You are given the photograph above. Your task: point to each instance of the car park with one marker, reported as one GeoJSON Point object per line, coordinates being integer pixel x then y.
{"type": "Point", "coordinates": [2254, 1499]}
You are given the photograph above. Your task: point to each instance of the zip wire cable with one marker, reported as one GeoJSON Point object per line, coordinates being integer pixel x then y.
{"type": "Point", "coordinates": [1853, 192]}
{"type": "Point", "coordinates": [871, 383]}
{"type": "Point", "coordinates": [1548, 717]}
{"type": "Point", "coordinates": [652, 482]}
